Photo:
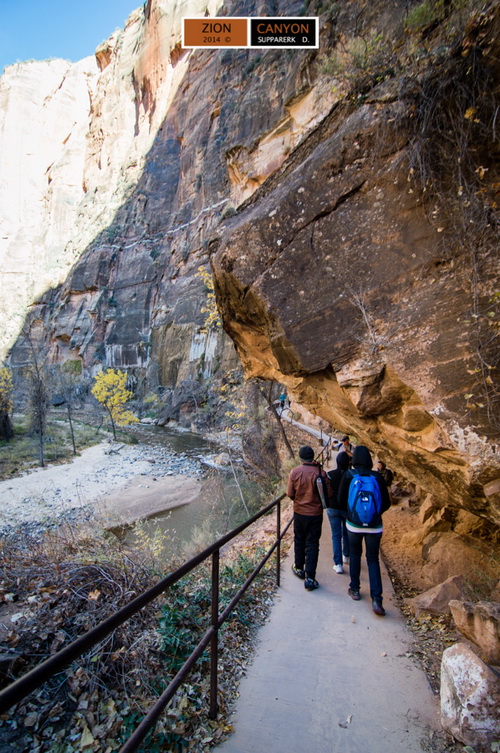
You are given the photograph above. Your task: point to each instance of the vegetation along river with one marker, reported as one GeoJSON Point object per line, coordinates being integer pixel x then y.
{"type": "Point", "coordinates": [226, 498]}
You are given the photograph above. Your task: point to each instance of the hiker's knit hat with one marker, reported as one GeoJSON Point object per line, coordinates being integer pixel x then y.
{"type": "Point", "coordinates": [306, 453]}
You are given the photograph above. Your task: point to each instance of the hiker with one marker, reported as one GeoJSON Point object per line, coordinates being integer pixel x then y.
{"type": "Point", "coordinates": [367, 527]}
{"type": "Point", "coordinates": [282, 400]}
{"type": "Point", "coordinates": [337, 517]}
{"type": "Point", "coordinates": [344, 446]}
{"type": "Point", "coordinates": [384, 471]}
{"type": "Point", "coordinates": [307, 516]}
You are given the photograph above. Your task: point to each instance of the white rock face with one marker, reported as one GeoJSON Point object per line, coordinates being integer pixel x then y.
{"type": "Point", "coordinates": [470, 697]}
{"type": "Point", "coordinates": [73, 139]}
{"type": "Point", "coordinates": [44, 114]}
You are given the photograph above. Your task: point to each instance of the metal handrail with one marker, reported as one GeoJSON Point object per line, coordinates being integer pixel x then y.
{"type": "Point", "coordinates": [47, 669]}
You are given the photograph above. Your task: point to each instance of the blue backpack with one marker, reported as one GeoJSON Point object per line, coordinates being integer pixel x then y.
{"type": "Point", "coordinates": [364, 503]}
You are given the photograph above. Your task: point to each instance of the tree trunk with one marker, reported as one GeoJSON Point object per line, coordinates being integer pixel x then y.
{"type": "Point", "coordinates": [269, 401]}
{"type": "Point", "coordinates": [40, 449]}
{"type": "Point", "coordinates": [6, 429]}
{"type": "Point", "coordinates": [71, 428]}
{"type": "Point", "coordinates": [112, 422]}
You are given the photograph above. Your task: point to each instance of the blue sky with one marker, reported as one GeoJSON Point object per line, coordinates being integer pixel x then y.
{"type": "Point", "coordinates": [70, 29]}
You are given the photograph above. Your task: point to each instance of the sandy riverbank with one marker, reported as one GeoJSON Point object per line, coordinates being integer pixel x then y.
{"type": "Point", "coordinates": [130, 482]}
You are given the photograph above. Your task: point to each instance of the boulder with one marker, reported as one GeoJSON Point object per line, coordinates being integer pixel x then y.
{"type": "Point", "coordinates": [436, 600]}
{"type": "Point", "coordinates": [428, 507]}
{"type": "Point", "coordinates": [466, 523]}
{"type": "Point", "coordinates": [445, 553]}
{"type": "Point", "coordinates": [436, 519]}
{"type": "Point", "coordinates": [470, 698]}
{"type": "Point", "coordinates": [224, 459]}
{"type": "Point", "coordinates": [480, 623]}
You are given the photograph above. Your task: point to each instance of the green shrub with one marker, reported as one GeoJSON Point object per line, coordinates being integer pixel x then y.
{"type": "Point", "coordinates": [73, 366]}
{"type": "Point", "coordinates": [422, 15]}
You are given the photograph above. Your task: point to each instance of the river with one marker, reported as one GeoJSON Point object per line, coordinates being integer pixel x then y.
{"type": "Point", "coordinates": [218, 508]}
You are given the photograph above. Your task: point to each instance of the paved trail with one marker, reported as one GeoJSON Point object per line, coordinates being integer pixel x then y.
{"type": "Point", "coordinates": [329, 676]}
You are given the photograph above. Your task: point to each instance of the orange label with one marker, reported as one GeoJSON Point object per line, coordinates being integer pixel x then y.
{"type": "Point", "coordinates": [215, 32]}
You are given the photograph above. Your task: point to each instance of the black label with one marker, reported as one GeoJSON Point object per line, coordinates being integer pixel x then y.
{"type": "Point", "coordinates": [283, 32]}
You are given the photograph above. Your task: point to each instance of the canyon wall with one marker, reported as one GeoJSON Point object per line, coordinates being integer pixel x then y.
{"type": "Point", "coordinates": [337, 284]}
{"type": "Point", "coordinates": [373, 304]}
{"type": "Point", "coordinates": [175, 140]}
{"type": "Point", "coordinates": [73, 143]}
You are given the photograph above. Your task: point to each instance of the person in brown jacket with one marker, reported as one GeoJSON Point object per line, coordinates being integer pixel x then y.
{"type": "Point", "coordinates": [307, 516]}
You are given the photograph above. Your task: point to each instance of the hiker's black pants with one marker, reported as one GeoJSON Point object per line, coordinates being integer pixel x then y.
{"type": "Point", "coordinates": [372, 548]}
{"type": "Point", "coordinates": [307, 533]}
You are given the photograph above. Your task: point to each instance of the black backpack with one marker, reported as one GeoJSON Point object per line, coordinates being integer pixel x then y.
{"type": "Point", "coordinates": [322, 489]}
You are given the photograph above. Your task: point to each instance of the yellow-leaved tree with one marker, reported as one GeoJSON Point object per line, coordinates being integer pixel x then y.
{"type": "Point", "coordinates": [212, 318]}
{"type": "Point", "coordinates": [6, 404]}
{"type": "Point", "coordinates": [110, 390]}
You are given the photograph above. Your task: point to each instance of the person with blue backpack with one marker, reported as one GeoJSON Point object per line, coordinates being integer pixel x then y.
{"type": "Point", "coordinates": [363, 495]}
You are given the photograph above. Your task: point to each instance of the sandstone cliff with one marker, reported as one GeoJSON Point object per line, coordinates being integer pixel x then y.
{"type": "Point", "coordinates": [73, 143]}
{"type": "Point", "coordinates": [133, 290]}
{"type": "Point", "coordinates": [371, 303]}
{"type": "Point", "coordinates": [336, 275]}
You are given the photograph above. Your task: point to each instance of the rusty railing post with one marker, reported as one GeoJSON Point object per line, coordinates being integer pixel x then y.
{"type": "Point", "coordinates": [33, 679]}
{"type": "Point", "coordinates": [278, 548]}
{"type": "Point", "coordinates": [214, 642]}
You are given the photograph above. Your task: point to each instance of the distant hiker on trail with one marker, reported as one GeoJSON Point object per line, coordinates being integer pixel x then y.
{"type": "Point", "coordinates": [345, 446]}
{"type": "Point", "coordinates": [363, 495]}
{"type": "Point", "coordinates": [386, 474]}
{"type": "Point", "coordinates": [282, 400]}
{"type": "Point", "coordinates": [307, 516]}
{"type": "Point", "coordinates": [337, 517]}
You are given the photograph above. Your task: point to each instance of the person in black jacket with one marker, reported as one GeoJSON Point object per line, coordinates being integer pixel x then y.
{"type": "Point", "coordinates": [362, 464]}
{"type": "Point", "coordinates": [385, 472]}
{"type": "Point", "coordinates": [337, 517]}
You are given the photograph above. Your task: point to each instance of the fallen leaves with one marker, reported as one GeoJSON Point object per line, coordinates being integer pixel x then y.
{"type": "Point", "coordinates": [95, 704]}
{"type": "Point", "coordinates": [86, 739]}
{"type": "Point", "coordinates": [347, 722]}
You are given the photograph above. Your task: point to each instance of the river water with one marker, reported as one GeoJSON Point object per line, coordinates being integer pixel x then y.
{"type": "Point", "coordinates": [219, 508]}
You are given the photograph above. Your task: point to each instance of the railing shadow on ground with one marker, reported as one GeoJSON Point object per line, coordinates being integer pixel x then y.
{"type": "Point", "coordinates": [47, 669]}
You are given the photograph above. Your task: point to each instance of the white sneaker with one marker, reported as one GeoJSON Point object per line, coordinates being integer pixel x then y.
{"type": "Point", "coordinates": [338, 569]}
{"type": "Point", "coordinates": [345, 560]}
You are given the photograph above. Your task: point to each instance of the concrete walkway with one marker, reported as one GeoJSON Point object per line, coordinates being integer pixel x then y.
{"type": "Point", "coordinates": [329, 676]}
{"type": "Point", "coordinates": [286, 416]}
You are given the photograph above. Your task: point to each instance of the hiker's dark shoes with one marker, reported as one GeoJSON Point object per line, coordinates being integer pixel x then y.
{"type": "Point", "coordinates": [299, 573]}
{"type": "Point", "coordinates": [354, 594]}
{"type": "Point", "coordinates": [310, 584]}
{"type": "Point", "coordinates": [377, 607]}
